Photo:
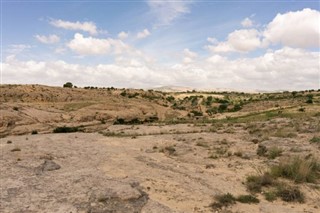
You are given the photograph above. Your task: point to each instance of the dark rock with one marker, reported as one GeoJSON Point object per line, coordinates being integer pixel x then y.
{"type": "Point", "coordinates": [48, 165]}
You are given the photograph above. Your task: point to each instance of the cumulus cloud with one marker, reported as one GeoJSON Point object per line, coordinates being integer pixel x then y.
{"type": "Point", "coordinates": [298, 29]}
{"type": "Point", "coordinates": [286, 68]}
{"type": "Point", "coordinates": [247, 22]}
{"type": "Point", "coordinates": [239, 41]}
{"type": "Point", "coordinates": [167, 11]}
{"type": "Point", "coordinates": [98, 46]}
{"type": "Point", "coordinates": [89, 45]}
{"type": "Point", "coordinates": [143, 34]}
{"type": "Point", "coordinates": [123, 35]}
{"type": "Point", "coordinates": [50, 39]}
{"type": "Point", "coordinates": [89, 27]}
{"type": "Point", "coordinates": [189, 56]}
{"type": "Point", "coordinates": [295, 29]}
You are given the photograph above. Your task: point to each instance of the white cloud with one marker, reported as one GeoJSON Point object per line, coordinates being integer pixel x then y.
{"type": "Point", "coordinates": [89, 45]}
{"type": "Point", "coordinates": [143, 34]}
{"type": "Point", "coordinates": [96, 46]}
{"type": "Point", "coordinates": [295, 29]}
{"type": "Point", "coordinates": [239, 41]}
{"type": "Point", "coordinates": [247, 22]}
{"type": "Point", "coordinates": [166, 11]}
{"type": "Point", "coordinates": [17, 48]}
{"type": "Point", "coordinates": [189, 53]}
{"type": "Point", "coordinates": [286, 68]}
{"type": "Point", "coordinates": [89, 27]}
{"type": "Point", "coordinates": [189, 56]}
{"type": "Point", "coordinates": [212, 40]}
{"type": "Point", "coordinates": [123, 35]}
{"type": "Point", "coordinates": [50, 39]}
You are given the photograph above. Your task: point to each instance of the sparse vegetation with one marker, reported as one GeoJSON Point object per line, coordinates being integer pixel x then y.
{"type": "Point", "coordinates": [223, 201]}
{"type": "Point", "coordinates": [255, 183]}
{"type": "Point", "coordinates": [290, 193]}
{"type": "Point", "coordinates": [297, 169]}
{"type": "Point", "coordinates": [247, 199]}
{"type": "Point", "coordinates": [315, 139]}
{"type": "Point", "coordinates": [65, 129]}
{"type": "Point", "coordinates": [274, 152]}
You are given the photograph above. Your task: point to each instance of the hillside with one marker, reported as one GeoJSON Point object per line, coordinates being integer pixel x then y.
{"type": "Point", "coordinates": [148, 151]}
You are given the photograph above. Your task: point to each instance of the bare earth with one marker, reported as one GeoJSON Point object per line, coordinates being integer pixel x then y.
{"type": "Point", "coordinates": [152, 167]}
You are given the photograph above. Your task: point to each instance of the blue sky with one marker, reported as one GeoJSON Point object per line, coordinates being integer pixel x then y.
{"type": "Point", "coordinates": [202, 44]}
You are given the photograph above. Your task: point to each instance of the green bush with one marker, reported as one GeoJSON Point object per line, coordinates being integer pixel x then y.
{"type": "Point", "coordinates": [65, 129]}
{"type": "Point", "coordinates": [290, 194]}
{"type": "Point", "coordinates": [315, 140]}
{"type": "Point", "coordinates": [247, 199]}
{"type": "Point", "coordinates": [223, 200]}
{"type": "Point", "coordinates": [68, 85]}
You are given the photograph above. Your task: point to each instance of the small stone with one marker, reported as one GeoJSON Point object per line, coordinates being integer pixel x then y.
{"type": "Point", "coordinates": [49, 165]}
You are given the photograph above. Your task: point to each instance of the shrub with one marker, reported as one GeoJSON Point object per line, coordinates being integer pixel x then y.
{"type": "Point", "coordinates": [34, 132]}
{"type": "Point", "coordinates": [222, 107]}
{"type": "Point", "coordinates": [68, 85]}
{"type": "Point", "coordinates": [223, 200]}
{"type": "Point", "coordinates": [290, 194]}
{"type": "Point", "coordinates": [270, 196]}
{"type": "Point", "coordinates": [15, 108]}
{"type": "Point", "coordinates": [255, 183]}
{"type": "Point", "coordinates": [170, 149]}
{"type": "Point", "coordinates": [247, 199]}
{"type": "Point", "coordinates": [238, 154]}
{"type": "Point", "coordinates": [315, 139]}
{"type": "Point", "coordinates": [65, 129]}
{"type": "Point", "coordinates": [274, 152]}
{"type": "Point", "coordinates": [196, 113]}
{"type": "Point", "coordinates": [262, 150]}
{"type": "Point", "coordinates": [298, 170]}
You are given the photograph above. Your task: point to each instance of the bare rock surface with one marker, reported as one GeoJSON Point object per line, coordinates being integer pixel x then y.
{"type": "Point", "coordinates": [92, 173]}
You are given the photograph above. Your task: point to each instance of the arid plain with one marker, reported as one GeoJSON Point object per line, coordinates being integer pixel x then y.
{"type": "Point", "coordinates": [127, 150]}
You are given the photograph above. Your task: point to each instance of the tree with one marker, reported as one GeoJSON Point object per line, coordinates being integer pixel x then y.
{"type": "Point", "coordinates": [68, 85]}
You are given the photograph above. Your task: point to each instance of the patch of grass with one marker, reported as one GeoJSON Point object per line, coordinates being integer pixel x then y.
{"type": "Point", "coordinates": [315, 140]}
{"type": "Point", "coordinates": [270, 196]}
{"type": "Point", "coordinates": [202, 144]}
{"type": "Point", "coordinates": [299, 170]}
{"type": "Point", "coordinates": [290, 193]}
{"type": "Point", "coordinates": [223, 201]}
{"type": "Point", "coordinates": [76, 106]}
{"type": "Point", "coordinates": [247, 199]}
{"type": "Point", "coordinates": [65, 129]}
{"type": "Point", "coordinates": [274, 152]}
{"type": "Point", "coordinates": [255, 183]}
{"type": "Point", "coordinates": [284, 133]}
{"type": "Point", "coordinates": [262, 150]}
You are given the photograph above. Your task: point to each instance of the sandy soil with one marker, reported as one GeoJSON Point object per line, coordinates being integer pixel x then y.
{"type": "Point", "coordinates": [93, 164]}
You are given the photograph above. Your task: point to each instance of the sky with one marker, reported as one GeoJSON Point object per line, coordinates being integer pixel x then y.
{"type": "Point", "coordinates": [233, 44]}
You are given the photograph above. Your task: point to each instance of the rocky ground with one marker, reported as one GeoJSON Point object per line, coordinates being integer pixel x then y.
{"type": "Point", "coordinates": [151, 167]}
